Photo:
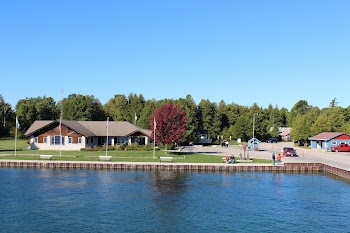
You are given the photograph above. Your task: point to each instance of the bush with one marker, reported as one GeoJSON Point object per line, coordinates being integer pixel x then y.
{"type": "Point", "coordinates": [98, 148]}
{"type": "Point", "coordinates": [120, 147]}
{"type": "Point", "coordinates": [133, 146]}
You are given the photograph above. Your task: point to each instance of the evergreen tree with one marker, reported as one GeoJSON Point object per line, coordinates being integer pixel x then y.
{"type": "Point", "coordinates": [146, 114]}
{"type": "Point", "coordinates": [333, 103]}
{"type": "Point", "coordinates": [7, 117]}
{"type": "Point", "coordinates": [134, 107]}
{"type": "Point", "coordinates": [190, 107]}
{"type": "Point", "coordinates": [209, 118]}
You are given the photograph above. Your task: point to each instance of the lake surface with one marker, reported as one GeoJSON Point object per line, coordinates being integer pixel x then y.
{"type": "Point", "coordinates": [58, 200]}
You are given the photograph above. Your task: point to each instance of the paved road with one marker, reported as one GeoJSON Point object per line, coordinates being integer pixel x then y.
{"type": "Point", "coordinates": [340, 159]}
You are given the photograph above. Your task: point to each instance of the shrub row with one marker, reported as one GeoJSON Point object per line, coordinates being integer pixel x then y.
{"type": "Point", "coordinates": [133, 146]}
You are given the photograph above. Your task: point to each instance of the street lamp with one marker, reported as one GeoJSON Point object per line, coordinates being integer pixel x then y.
{"type": "Point", "coordinates": [254, 129]}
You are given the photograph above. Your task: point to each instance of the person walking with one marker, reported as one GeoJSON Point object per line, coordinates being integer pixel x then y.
{"type": "Point", "coordinates": [273, 158]}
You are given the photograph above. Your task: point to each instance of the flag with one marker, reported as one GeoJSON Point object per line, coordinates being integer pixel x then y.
{"type": "Point", "coordinates": [17, 123]}
{"type": "Point", "coordinates": [155, 123]}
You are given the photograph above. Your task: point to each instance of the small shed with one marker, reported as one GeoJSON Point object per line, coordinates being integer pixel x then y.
{"type": "Point", "coordinates": [326, 140]}
{"type": "Point", "coordinates": [253, 144]}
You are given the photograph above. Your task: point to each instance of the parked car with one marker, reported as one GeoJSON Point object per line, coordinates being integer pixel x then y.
{"type": "Point", "coordinates": [289, 151]}
{"type": "Point", "coordinates": [272, 140]}
{"type": "Point", "coordinates": [341, 148]}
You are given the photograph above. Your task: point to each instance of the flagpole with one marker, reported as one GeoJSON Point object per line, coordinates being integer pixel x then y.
{"type": "Point", "coordinates": [107, 136]}
{"type": "Point", "coordinates": [61, 123]}
{"type": "Point", "coordinates": [61, 135]}
{"type": "Point", "coordinates": [154, 138]}
{"type": "Point", "coordinates": [16, 136]}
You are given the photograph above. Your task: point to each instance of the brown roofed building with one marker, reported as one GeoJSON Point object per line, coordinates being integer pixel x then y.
{"type": "Point", "coordinates": [285, 133]}
{"type": "Point", "coordinates": [45, 134]}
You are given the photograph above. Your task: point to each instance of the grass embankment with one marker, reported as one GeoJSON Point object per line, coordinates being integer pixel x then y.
{"type": "Point", "coordinates": [7, 151]}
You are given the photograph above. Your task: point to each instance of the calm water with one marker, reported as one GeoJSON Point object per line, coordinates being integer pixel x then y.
{"type": "Point", "coordinates": [54, 200]}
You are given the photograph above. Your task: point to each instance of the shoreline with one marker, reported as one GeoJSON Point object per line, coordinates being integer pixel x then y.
{"type": "Point", "coordinates": [289, 167]}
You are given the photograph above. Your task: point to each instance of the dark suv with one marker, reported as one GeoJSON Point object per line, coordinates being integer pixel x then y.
{"type": "Point", "coordinates": [289, 151]}
{"type": "Point", "coordinates": [272, 140]}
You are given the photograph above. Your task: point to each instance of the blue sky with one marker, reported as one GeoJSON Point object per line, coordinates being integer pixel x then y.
{"type": "Point", "coordinates": [263, 51]}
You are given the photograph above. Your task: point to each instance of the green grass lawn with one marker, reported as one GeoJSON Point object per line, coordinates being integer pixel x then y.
{"type": "Point", "coordinates": [7, 151]}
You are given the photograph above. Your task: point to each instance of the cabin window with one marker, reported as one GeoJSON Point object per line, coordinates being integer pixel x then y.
{"type": "Point", "coordinates": [79, 140]}
{"type": "Point", "coordinates": [70, 140]}
{"type": "Point", "coordinates": [55, 140]}
{"type": "Point", "coordinates": [45, 139]}
{"type": "Point", "coordinates": [122, 140]}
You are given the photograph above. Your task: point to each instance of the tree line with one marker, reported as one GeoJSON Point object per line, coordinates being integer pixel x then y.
{"type": "Point", "coordinates": [221, 120]}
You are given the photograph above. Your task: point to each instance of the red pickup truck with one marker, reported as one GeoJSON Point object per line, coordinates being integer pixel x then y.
{"type": "Point", "coordinates": [341, 147]}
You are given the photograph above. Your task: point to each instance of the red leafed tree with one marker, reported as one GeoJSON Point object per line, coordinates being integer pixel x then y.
{"type": "Point", "coordinates": [169, 123]}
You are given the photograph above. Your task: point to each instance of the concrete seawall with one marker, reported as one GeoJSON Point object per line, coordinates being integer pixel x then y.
{"type": "Point", "coordinates": [287, 167]}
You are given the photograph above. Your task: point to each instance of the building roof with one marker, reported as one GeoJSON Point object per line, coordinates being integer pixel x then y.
{"type": "Point", "coordinates": [253, 139]}
{"type": "Point", "coordinates": [285, 133]}
{"type": "Point", "coordinates": [93, 128]}
{"type": "Point", "coordinates": [325, 136]}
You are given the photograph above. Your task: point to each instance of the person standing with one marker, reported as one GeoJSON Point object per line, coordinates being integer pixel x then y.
{"type": "Point", "coordinates": [273, 158]}
{"type": "Point", "coordinates": [279, 157]}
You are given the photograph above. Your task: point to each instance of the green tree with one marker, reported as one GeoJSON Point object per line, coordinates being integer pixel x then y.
{"type": "Point", "coordinates": [311, 118]}
{"type": "Point", "coordinates": [333, 103]}
{"type": "Point", "coordinates": [322, 124]}
{"type": "Point", "coordinates": [301, 107]}
{"type": "Point", "coordinates": [40, 108]}
{"type": "Point", "coordinates": [146, 114]}
{"type": "Point", "coordinates": [234, 111]}
{"type": "Point", "coordinates": [190, 107]}
{"type": "Point", "coordinates": [337, 119]}
{"type": "Point", "coordinates": [330, 120]}
{"type": "Point", "coordinates": [209, 118]}
{"type": "Point", "coordinates": [347, 127]}
{"type": "Point", "coordinates": [242, 128]}
{"type": "Point", "coordinates": [83, 108]}
{"type": "Point", "coordinates": [134, 107]}
{"type": "Point", "coordinates": [116, 108]}
{"type": "Point", "coordinates": [301, 129]}
{"type": "Point", "coordinates": [284, 114]}
{"type": "Point", "coordinates": [7, 117]}
{"type": "Point", "coordinates": [223, 115]}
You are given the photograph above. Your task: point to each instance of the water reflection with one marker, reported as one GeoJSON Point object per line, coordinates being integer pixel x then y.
{"type": "Point", "coordinates": [35, 200]}
{"type": "Point", "coordinates": [169, 182]}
